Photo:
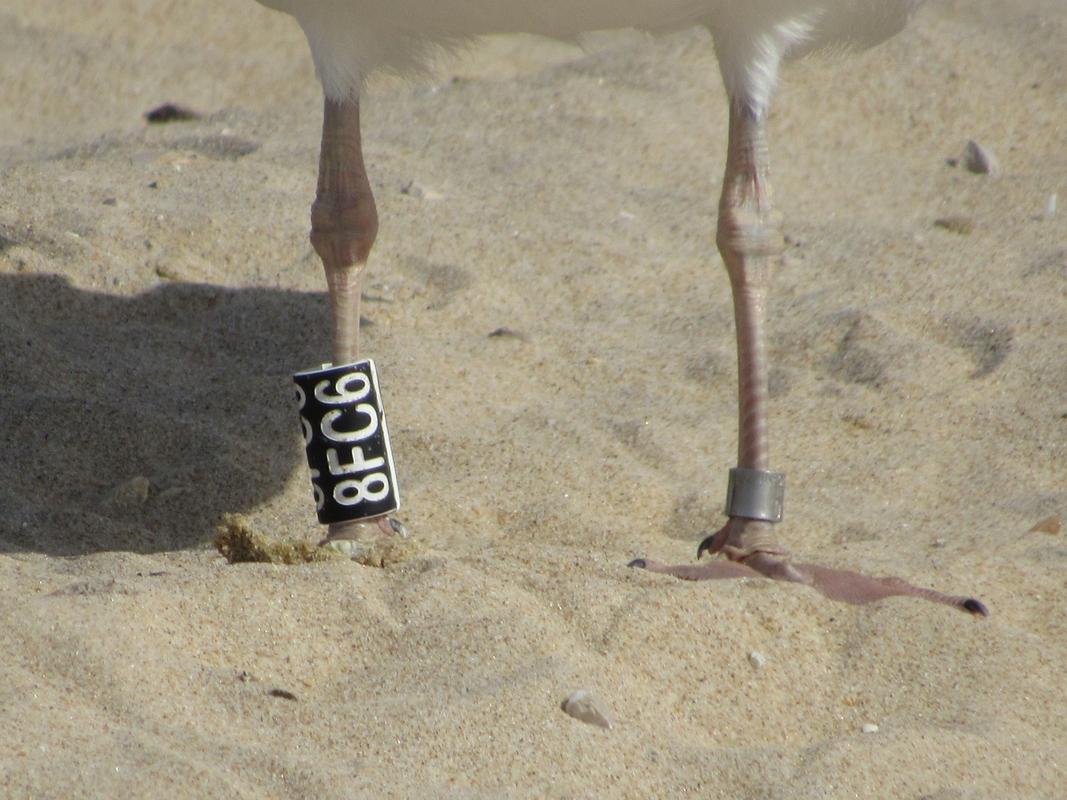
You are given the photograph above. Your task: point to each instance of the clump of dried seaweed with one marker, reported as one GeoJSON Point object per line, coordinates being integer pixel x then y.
{"type": "Point", "coordinates": [239, 542]}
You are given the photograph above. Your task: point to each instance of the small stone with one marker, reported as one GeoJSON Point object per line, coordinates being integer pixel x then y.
{"type": "Point", "coordinates": [417, 190]}
{"type": "Point", "coordinates": [980, 160]}
{"type": "Point", "coordinates": [869, 727]}
{"type": "Point", "coordinates": [956, 224]}
{"type": "Point", "coordinates": [584, 707]}
{"type": "Point", "coordinates": [510, 333]}
{"type": "Point", "coordinates": [130, 493]}
{"type": "Point", "coordinates": [757, 659]}
{"type": "Point", "coordinates": [1051, 525]}
{"type": "Point", "coordinates": [1050, 206]}
{"type": "Point", "coordinates": [170, 112]}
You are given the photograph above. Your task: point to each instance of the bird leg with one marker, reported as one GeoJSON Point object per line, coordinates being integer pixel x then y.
{"type": "Point", "coordinates": [344, 223]}
{"type": "Point", "coordinates": [749, 239]}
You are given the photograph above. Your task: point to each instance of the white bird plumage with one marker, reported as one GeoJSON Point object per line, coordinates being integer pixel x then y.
{"type": "Point", "coordinates": [350, 39]}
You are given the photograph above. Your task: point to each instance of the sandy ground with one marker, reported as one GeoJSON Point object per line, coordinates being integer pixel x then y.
{"type": "Point", "coordinates": [157, 289]}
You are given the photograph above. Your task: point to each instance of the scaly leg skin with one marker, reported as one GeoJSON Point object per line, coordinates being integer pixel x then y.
{"type": "Point", "coordinates": [344, 223]}
{"type": "Point", "coordinates": [748, 238]}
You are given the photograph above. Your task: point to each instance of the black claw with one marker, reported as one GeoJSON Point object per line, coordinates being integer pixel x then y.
{"type": "Point", "coordinates": [705, 545]}
{"type": "Point", "coordinates": [640, 563]}
{"type": "Point", "coordinates": [976, 607]}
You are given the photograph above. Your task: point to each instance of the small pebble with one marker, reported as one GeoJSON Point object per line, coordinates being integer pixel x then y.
{"type": "Point", "coordinates": [130, 493]}
{"type": "Point", "coordinates": [980, 160]}
{"type": "Point", "coordinates": [170, 112]}
{"type": "Point", "coordinates": [505, 332]}
{"type": "Point", "coordinates": [417, 190]}
{"type": "Point", "coordinates": [1051, 525]}
{"type": "Point", "coordinates": [869, 727]}
{"type": "Point", "coordinates": [1050, 206]}
{"type": "Point", "coordinates": [584, 707]}
{"type": "Point", "coordinates": [957, 224]}
{"type": "Point", "coordinates": [757, 659]}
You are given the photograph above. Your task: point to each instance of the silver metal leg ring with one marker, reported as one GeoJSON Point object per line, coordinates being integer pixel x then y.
{"type": "Point", "coordinates": [755, 494]}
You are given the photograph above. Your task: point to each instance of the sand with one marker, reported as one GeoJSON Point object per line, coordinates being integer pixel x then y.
{"type": "Point", "coordinates": [157, 289]}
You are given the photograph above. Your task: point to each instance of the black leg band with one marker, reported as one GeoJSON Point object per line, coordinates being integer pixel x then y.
{"type": "Point", "coordinates": [347, 442]}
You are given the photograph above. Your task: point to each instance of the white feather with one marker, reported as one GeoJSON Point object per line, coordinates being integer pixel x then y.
{"type": "Point", "coordinates": [352, 38]}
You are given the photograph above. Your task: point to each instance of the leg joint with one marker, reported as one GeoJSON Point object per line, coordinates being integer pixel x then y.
{"type": "Point", "coordinates": [748, 233]}
{"type": "Point", "coordinates": [343, 228]}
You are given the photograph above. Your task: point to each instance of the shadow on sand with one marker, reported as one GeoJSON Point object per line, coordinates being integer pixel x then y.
{"type": "Point", "coordinates": [186, 386]}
